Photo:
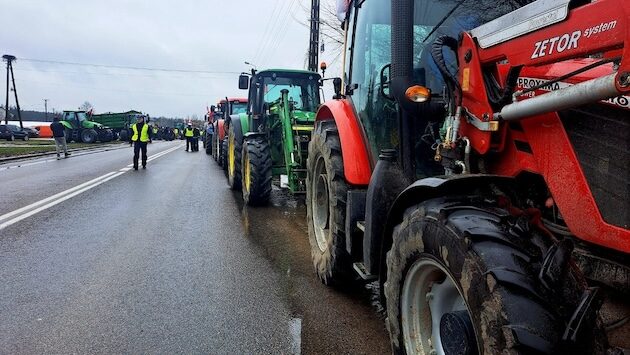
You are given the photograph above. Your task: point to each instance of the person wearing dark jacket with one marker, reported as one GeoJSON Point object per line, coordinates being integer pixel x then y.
{"type": "Point", "coordinates": [59, 135]}
{"type": "Point", "coordinates": [195, 139]}
{"type": "Point", "coordinates": [141, 136]}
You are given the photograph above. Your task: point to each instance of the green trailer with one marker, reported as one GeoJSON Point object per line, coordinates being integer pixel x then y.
{"type": "Point", "coordinates": [270, 142]}
{"type": "Point", "coordinates": [118, 122]}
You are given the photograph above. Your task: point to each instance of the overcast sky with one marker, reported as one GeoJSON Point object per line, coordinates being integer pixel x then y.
{"type": "Point", "coordinates": [210, 36]}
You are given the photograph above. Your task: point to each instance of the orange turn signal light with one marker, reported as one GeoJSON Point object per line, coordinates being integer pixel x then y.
{"type": "Point", "coordinates": [418, 94]}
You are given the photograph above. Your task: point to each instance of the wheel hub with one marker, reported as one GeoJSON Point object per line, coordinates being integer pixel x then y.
{"type": "Point", "coordinates": [429, 297]}
{"type": "Point", "coordinates": [457, 333]}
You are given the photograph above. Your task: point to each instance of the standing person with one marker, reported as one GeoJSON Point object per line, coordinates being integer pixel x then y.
{"type": "Point", "coordinates": [188, 133]}
{"type": "Point", "coordinates": [141, 136]}
{"type": "Point", "coordinates": [195, 139]}
{"type": "Point", "coordinates": [59, 135]}
{"type": "Point", "coordinates": [209, 138]}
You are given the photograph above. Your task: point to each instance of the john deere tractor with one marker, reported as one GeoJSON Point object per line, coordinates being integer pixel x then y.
{"type": "Point", "coordinates": [80, 128]}
{"type": "Point", "coordinates": [271, 139]}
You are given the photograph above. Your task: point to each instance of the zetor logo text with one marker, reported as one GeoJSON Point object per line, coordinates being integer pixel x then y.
{"type": "Point", "coordinates": [568, 41]}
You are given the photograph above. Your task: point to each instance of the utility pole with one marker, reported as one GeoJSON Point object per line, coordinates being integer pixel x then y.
{"type": "Point", "coordinates": [313, 49]}
{"type": "Point", "coordinates": [9, 59]}
{"type": "Point", "coordinates": [46, 108]}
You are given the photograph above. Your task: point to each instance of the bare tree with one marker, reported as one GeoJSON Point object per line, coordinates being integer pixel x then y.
{"type": "Point", "coordinates": [86, 106]}
{"type": "Point", "coordinates": [331, 33]}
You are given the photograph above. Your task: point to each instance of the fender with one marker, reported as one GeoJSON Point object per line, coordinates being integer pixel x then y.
{"type": "Point", "coordinates": [241, 120]}
{"type": "Point", "coordinates": [356, 163]}
{"type": "Point", "coordinates": [220, 129]}
{"type": "Point", "coordinates": [433, 187]}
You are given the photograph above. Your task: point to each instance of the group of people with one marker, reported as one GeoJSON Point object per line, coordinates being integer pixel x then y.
{"type": "Point", "coordinates": [141, 135]}
{"type": "Point", "coordinates": [192, 135]}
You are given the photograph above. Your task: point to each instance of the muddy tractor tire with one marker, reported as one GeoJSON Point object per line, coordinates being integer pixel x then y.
{"type": "Point", "coordinates": [463, 276]}
{"type": "Point", "coordinates": [223, 155]}
{"type": "Point", "coordinates": [326, 191]}
{"type": "Point", "coordinates": [208, 146]}
{"type": "Point", "coordinates": [89, 136]}
{"type": "Point", "coordinates": [68, 134]}
{"type": "Point", "coordinates": [234, 158]}
{"type": "Point", "coordinates": [105, 135]}
{"type": "Point", "coordinates": [256, 171]}
{"type": "Point", "coordinates": [123, 135]}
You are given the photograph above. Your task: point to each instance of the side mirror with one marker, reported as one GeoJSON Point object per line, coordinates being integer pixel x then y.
{"type": "Point", "coordinates": [243, 82]}
{"type": "Point", "coordinates": [337, 88]}
{"type": "Point", "coordinates": [385, 82]}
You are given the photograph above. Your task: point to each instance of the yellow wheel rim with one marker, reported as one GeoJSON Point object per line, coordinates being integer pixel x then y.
{"type": "Point", "coordinates": [248, 180]}
{"type": "Point", "coordinates": [231, 155]}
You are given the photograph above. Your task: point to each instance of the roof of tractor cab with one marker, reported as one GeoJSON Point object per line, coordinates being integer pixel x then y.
{"type": "Point", "coordinates": [288, 71]}
{"type": "Point", "coordinates": [234, 99]}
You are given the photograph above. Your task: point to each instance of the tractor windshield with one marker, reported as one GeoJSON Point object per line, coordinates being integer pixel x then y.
{"type": "Point", "coordinates": [303, 90]}
{"type": "Point", "coordinates": [369, 52]}
{"type": "Point", "coordinates": [81, 116]}
{"type": "Point", "coordinates": [238, 107]}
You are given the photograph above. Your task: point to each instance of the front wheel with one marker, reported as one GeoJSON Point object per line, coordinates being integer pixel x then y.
{"type": "Point", "coordinates": [463, 278]}
{"type": "Point", "coordinates": [89, 136]}
{"type": "Point", "coordinates": [256, 171]}
{"type": "Point", "coordinates": [25, 138]}
{"type": "Point", "coordinates": [326, 191]}
{"type": "Point", "coordinates": [234, 156]}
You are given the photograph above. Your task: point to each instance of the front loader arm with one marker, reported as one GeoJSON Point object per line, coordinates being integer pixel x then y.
{"type": "Point", "coordinates": [597, 31]}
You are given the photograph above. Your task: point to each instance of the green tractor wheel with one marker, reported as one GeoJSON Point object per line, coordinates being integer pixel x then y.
{"type": "Point", "coordinates": [89, 136]}
{"type": "Point", "coordinates": [68, 134]}
{"type": "Point", "coordinates": [234, 156]}
{"type": "Point", "coordinates": [256, 171]}
{"type": "Point", "coordinates": [223, 155]}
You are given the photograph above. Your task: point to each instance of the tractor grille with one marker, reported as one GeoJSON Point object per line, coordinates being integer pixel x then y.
{"type": "Point", "coordinates": [600, 135]}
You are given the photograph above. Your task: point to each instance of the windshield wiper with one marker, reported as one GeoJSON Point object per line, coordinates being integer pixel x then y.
{"type": "Point", "coordinates": [442, 20]}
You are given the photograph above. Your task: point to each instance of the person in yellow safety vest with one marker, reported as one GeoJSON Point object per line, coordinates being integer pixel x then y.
{"type": "Point", "coordinates": [155, 131]}
{"type": "Point", "coordinates": [141, 136]}
{"type": "Point", "coordinates": [188, 133]}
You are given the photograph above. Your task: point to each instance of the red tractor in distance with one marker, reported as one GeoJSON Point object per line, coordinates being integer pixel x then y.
{"type": "Point", "coordinates": [224, 109]}
{"type": "Point", "coordinates": [475, 161]}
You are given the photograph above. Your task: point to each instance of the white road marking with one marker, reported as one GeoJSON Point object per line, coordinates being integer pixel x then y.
{"type": "Point", "coordinates": [27, 211]}
{"type": "Point", "coordinates": [295, 329]}
{"type": "Point", "coordinates": [53, 197]}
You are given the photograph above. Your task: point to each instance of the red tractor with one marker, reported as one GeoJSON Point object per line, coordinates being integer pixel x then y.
{"type": "Point", "coordinates": [475, 161]}
{"type": "Point", "coordinates": [225, 108]}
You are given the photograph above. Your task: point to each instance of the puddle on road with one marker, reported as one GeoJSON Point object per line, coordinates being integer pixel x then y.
{"type": "Point", "coordinates": [280, 231]}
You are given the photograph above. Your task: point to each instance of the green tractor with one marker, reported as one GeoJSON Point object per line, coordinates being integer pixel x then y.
{"type": "Point", "coordinates": [270, 141]}
{"type": "Point", "coordinates": [80, 128]}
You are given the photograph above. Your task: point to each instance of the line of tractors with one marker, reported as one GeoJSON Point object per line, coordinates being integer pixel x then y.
{"type": "Point", "coordinates": [474, 161]}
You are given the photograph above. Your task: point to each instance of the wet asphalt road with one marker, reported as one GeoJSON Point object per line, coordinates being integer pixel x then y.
{"type": "Point", "coordinates": [166, 260]}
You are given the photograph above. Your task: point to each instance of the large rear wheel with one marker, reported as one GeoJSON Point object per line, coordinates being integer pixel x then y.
{"type": "Point", "coordinates": [326, 205]}
{"type": "Point", "coordinates": [256, 171]}
{"type": "Point", "coordinates": [463, 278]}
{"type": "Point", "coordinates": [234, 156]}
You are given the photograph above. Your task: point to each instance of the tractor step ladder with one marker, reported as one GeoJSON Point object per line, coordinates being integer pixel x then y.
{"type": "Point", "coordinates": [360, 269]}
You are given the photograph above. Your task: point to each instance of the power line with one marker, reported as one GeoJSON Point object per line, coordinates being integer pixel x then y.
{"type": "Point", "coordinates": [127, 67]}
{"type": "Point", "coordinates": [119, 74]}
{"type": "Point", "coordinates": [276, 30]}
